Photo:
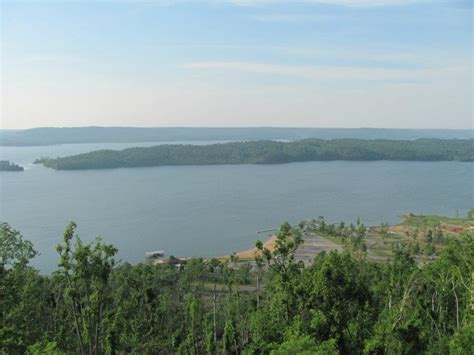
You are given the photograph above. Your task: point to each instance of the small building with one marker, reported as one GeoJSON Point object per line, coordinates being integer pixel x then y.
{"type": "Point", "coordinates": [155, 255]}
{"type": "Point", "coordinates": [158, 257]}
{"type": "Point", "coordinates": [173, 261]}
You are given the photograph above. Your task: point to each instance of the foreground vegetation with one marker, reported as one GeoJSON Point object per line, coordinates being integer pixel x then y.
{"type": "Point", "coordinates": [340, 303]}
{"type": "Point", "coordinates": [270, 152]}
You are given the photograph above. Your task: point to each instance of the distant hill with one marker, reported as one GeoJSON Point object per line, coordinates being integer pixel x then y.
{"type": "Point", "coordinates": [52, 136]}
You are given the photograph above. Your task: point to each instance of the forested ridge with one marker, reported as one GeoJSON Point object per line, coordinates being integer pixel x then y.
{"type": "Point", "coordinates": [70, 135]}
{"type": "Point", "coordinates": [270, 152]}
{"type": "Point", "coordinates": [339, 304]}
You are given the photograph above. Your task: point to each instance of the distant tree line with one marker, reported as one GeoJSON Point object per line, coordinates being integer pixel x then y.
{"type": "Point", "coordinates": [6, 165]}
{"type": "Point", "coordinates": [68, 135]}
{"type": "Point", "coordinates": [270, 152]}
{"type": "Point", "coordinates": [340, 304]}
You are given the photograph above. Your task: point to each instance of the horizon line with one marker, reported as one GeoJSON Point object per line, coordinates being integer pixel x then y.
{"type": "Point", "coordinates": [230, 127]}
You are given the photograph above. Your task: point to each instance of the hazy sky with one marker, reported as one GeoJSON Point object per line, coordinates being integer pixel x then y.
{"type": "Point", "coordinates": [326, 63]}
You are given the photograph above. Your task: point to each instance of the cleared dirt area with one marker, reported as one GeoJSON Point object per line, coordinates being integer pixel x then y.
{"type": "Point", "coordinates": [452, 228]}
{"type": "Point", "coordinates": [312, 246]}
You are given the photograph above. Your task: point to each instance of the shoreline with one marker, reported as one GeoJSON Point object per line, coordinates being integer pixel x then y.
{"type": "Point", "coordinates": [403, 232]}
{"type": "Point", "coordinates": [249, 254]}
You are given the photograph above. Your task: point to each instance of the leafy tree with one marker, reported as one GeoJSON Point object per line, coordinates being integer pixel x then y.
{"type": "Point", "coordinates": [384, 229]}
{"type": "Point", "coordinates": [86, 270]}
{"type": "Point", "coordinates": [282, 261]}
{"type": "Point", "coordinates": [13, 248]}
{"type": "Point", "coordinates": [430, 249]}
{"type": "Point", "coordinates": [305, 345]}
{"type": "Point", "coordinates": [462, 342]}
{"type": "Point", "coordinates": [429, 236]}
{"type": "Point", "coordinates": [470, 214]}
{"type": "Point", "coordinates": [44, 348]}
{"type": "Point", "coordinates": [416, 249]}
{"type": "Point", "coordinates": [438, 235]}
{"type": "Point", "coordinates": [23, 294]}
{"type": "Point", "coordinates": [333, 283]}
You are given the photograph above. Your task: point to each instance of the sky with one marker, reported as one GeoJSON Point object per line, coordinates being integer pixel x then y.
{"type": "Point", "coordinates": [235, 63]}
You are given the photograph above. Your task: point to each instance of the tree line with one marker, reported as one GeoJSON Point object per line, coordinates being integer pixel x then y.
{"type": "Point", "coordinates": [72, 135]}
{"type": "Point", "coordinates": [6, 165]}
{"type": "Point", "coordinates": [339, 304]}
{"type": "Point", "coordinates": [270, 152]}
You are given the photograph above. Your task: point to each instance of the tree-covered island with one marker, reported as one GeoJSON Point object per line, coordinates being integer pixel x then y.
{"type": "Point", "coordinates": [6, 165]}
{"type": "Point", "coordinates": [270, 152]}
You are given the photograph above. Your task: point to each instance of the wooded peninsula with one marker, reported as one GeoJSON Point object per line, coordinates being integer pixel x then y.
{"type": "Point", "coordinates": [270, 152]}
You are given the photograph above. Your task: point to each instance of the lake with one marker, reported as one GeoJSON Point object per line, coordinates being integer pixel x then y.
{"type": "Point", "coordinates": [213, 210]}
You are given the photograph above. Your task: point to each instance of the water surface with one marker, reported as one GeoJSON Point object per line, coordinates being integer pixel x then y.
{"type": "Point", "coordinates": [213, 210]}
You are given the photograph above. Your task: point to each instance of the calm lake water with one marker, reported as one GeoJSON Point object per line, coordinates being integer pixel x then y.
{"type": "Point", "coordinates": [213, 210]}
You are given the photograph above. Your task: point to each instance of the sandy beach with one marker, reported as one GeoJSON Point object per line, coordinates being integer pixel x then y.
{"type": "Point", "coordinates": [249, 254]}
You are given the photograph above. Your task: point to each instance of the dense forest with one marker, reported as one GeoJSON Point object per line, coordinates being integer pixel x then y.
{"type": "Point", "coordinates": [270, 152]}
{"type": "Point", "coordinates": [6, 165]}
{"type": "Point", "coordinates": [339, 304]}
{"type": "Point", "coordinates": [68, 135]}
